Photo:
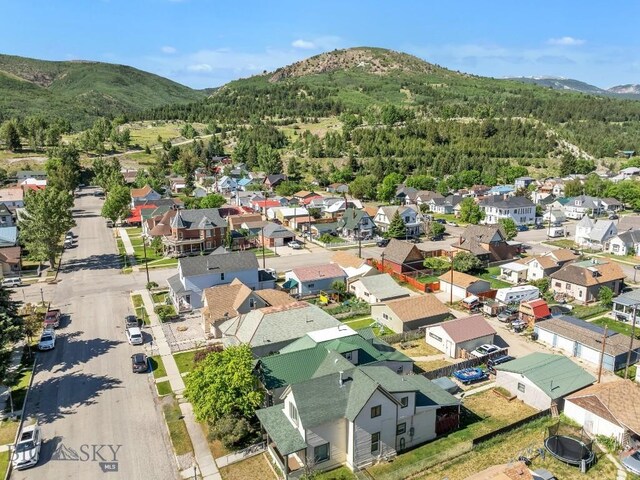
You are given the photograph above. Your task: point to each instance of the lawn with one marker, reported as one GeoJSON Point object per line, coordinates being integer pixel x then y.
{"type": "Point", "coordinates": [4, 462]}
{"type": "Point", "coordinates": [134, 231]}
{"type": "Point", "coordinates": [616, 326]}
{"type": "Point", "coordinates": [160, 297]}
{"type": "Point", "coordinates": [428, 279]}
{"type": "Point", "coordinates": [177, 428]}
{"type": "Point", "coordinates": [164, 388]}
{"type": "Point", "coordinates": [587, 311]}
{"type": "Point", "coordinates": [163, 263]}
{"type": "Point", "coordinates": [19, 389]}
{"type": "Point", "coordinates": [366, 323]}
{"type": "Point", "coordinates": [507, 448]}
{"type": "Point", "coordinates": [254, 467]}
{"type": "Point", "coordinates": [622, 258]}
{"type": "Point", "coordinates": [418, 348]}
{"type": "Point", "coordinates": [217, 448]}
{"type": "Point", "coordinates": [158, 366]}
{"type": "Point", "coordinates": [341, 473]}
{"type": "Point", "coordinates": [138, 307]}
{"type": "Point", "coordinates": [8, 430]}
{"type": "Point", "coordinates": [449, 217]}
{"type": "Point", "coordinates": [432, 365]}
{"type": "Point", "coordinates": [184, 360]}
{"type": "Point", "coordinates": [565, 243]}
{"type": "Point", "coordinates": [486, 412]}
{"type": "Point", "coordinates": [490, 275]}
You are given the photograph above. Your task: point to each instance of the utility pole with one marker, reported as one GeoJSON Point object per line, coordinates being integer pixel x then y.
{"type": "Point", "coordinates": [262, 242]}
{"type": "Point", "coordinates": [633, 334]}
{"type": "Point", "coordinates": [451, 285]}
{"type": "Point", "coordinates": [604, 341]}
{"type": "Point", "coordinates": [549, 231]}
{"type": "Point", "coordinates": [146, 264]}
{"type": "Point", "coordinates": [382, 259]}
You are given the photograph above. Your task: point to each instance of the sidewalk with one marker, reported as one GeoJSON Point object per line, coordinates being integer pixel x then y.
{"type": "Point", "coordinates": [204, 459]}
{"type": "Point", "coordinates": [14, 364]}
{"type": "Point", "coordinates": [128, 246]}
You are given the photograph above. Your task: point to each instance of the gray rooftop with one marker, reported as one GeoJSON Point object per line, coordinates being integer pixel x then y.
{"type": "Point", "coordinates": [383, 287]}
{"type": "Point", "coordinates": [198, 219]}
{"type": "Point", "coordinates": [218, 263]}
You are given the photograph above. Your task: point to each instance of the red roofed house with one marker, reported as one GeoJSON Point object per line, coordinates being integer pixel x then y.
{"type": "Point", "coordinates": [308, 200]}
{"type": "Point", "coordinates": [136, 213]}
{"type": "Point", "coordinates": [144, 194]}
{"type": "Point", "coordinates": [310, 280]}
{"type": "Point", "coordinates": [534, 311]}
{"type": "Point", "coordinates": [263, 205]}
{"type": "Point", "coordinates": [461, 335]}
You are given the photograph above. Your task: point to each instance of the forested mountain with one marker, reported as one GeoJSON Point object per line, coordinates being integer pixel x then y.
{"type": "Point", "coordinates": [82, 91]}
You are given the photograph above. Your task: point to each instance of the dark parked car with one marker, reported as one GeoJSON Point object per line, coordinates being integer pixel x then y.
{"type": "Point", "coordinates": [131, 321]}
{"type": "Point", "coordinates": [507, 315]}
{"type": "Point", "coordinates": [139, 363]}
{"type": "Point", "coordinates": [383, 243]}
{"type": "Point", "coordinates": [497, 361]}
{"type": "Point", "coordinates": [441, 220]}
{"type": "Point", "coordinates": [613, 216]}
{"type": "Point", "coordinates": [522, 228]}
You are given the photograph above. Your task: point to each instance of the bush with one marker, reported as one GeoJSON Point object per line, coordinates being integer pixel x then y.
{"type": "Point", "coordinates": [230, 430]}
{"type": "Point", "coordinates": [202, 354]}
{"type": "Point", "coordinates": [151, 285]}
{"type": "Point", "coordinates": [165, 312]}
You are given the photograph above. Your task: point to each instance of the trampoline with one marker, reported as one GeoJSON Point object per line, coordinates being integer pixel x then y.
{"type": "Point", "coordinates": [569, 450]}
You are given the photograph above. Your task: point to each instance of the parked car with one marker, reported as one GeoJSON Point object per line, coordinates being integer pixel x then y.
{"type": "Point", "coordinates": [632, 462]}
{"type": "Point", "coordinates": [131, 321]}
{"type": "Point", "coordinates": [47, 340]}
{"type": "Point", "coordinates": [452, 224]}
{"type": "Point", "coordinates": [70, 235]}
{"type": "Point", "coordinates": [522, 228]}
{"type": "Point", "coordinates": [139, 363]}
{"type": "Point", "coordinates": [414, 239]}
{"type": "Point", "coordinates": [383, 242]}
{"type": "Point", "coordinates": [68, 243]}
{"type": "Point", "coordinates": [507, 315]}
{"type": "Point", "coordinates": [484, 350]}
{"type": "Point", "coordinates": [12, 282]}
{"type": "Point", "coordinates": [52, 319]}
{"type": "Point", "coordinates": [109, 223]}
{"type": "Point", "coordinates": [134, 336]}
{"type": "Point", "coordinates": [296, 245]}
{"type": "Point", "coordinates": [26, 452]}
{"type": "Point", "coordinates": [441, 220]}
{"type": "Point", "coordinates": [613, 216]}
{"type": "Point", "coordinates": [497, 361]}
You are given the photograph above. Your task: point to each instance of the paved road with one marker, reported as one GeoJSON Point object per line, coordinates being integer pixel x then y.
{"type": "Point", "coordinates": [84, 391]}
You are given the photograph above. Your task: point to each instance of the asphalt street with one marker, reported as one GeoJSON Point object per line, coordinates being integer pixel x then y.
{"type": "Point", "coordinates": [96, 415]}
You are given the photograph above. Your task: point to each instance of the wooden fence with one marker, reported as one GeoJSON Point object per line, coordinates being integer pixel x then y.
{"type": "Point", "coordinates": [404, 336]}
{"type": "Point", "coordinates": [471, 362]}
{"type": "Point", "coordinates": [405, 277]}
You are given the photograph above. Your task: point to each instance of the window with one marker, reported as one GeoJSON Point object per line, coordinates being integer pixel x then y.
{"type": "Point", "coordinates": [404, 402]}
{"type": "Point", "coordinates": [401, 428]}
{"type": "Point", "coordinates": [399, 370]}
{"type": "Point", "coordinates": [347, 355]}
{"type": "Point", "coordinates": [375, 442]}
{"type": "Point", "coordinates": [252, 303]}
{"type": "Point", "coordinates": [321, 453]}
{"type": "Point", "coordinates": [311, 285]}
{"type": "Point", "coordinates": [521, 387]}
{"type": "Point", "coordinates": [435, 337]}
{"type": "Point", "coordinates": [293, 413]}
{"type": "Point", "coordinates": [376, 411]}
{"type": "Point", "coordinates": [222, 276]}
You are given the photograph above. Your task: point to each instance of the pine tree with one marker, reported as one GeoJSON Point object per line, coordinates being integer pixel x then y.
{"type": "Point", "coordinates": [397, 228]}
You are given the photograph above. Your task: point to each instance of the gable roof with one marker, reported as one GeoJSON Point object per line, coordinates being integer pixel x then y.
{"type": "Point", "coordinates": [346, 259]}
{"type": "Point", "coordinates": [10, 255]}
{"type": "Point", "coordinates": [275, 298]}
{"type": "Point", "coordinates": [400, 252]}
{"type": "Point", "coordinates": [617, 402]}
{"type": "Point", "coordinates": [555, 375]}
{"type": "Point", "coordinates": [142, 192]}
{"type": "Point", "coordinates": [416, 307]}
{"type": "Point", "coordinates": [273, 230]}
{"type": "Point", "coordinates": [8, 235]}
{"type": "Point", "coordinates": [196, 219]}
{"type": "Point", "coordinates": [383, 287]}
{"type": "Point", "coordinates": [351, 218]}
{"type": "Point", "coordinates": [218, 263]}
{"type": "Point", "coordinates": [460, 279]}
{"type": "Point", "coordinates": [224, 300]}
{"type": "Point", "coordinates": [602, 229]}
{"type": "Point", "coordinates": [318, 272]}
{"type": "Point", "coordinates": [483, 233]}
{"type": "Point", "coordinates": [563, 255]}
{"type": "Point", "coordinates": [467, 328]}
{"type": "Point", "coordinates": [506, 202]}
{"type": "Point", "coordinates": [630, 237]}
{"type": "Point", "coordinates": [589, 273]}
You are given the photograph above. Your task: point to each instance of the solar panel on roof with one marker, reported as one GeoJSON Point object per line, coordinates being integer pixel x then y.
{"type": "Point", "coordinates": [586, 325]}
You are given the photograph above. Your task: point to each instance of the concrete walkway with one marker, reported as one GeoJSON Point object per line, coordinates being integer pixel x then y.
{"type": "Point", "coordinates": [14, 365]}
{"type": "Point", "coordinates": [128, 246]}
{"type": "Point", "coordinates": [204, 459]}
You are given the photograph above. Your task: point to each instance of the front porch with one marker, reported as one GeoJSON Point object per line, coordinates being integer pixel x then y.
{"type": "Point", "coordinates": [180, 297]}
{"type": "Point", "coordinates": [173, 247]}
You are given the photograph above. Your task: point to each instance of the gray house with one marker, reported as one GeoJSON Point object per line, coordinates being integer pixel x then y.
{"type": "Point", "coordinates": [623, 306]}
{"type": "Point", "coordinates": [200, 272]}
{"type": "Point", "coordinates": [314, 279]}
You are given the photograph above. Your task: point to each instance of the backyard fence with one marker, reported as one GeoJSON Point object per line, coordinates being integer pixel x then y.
{"type": "Point", "coordinates": [404, 336]}
{"type": "Point", "coordinates": [511, 426]}
{"type": "Point", "coordinates": [471, 362]}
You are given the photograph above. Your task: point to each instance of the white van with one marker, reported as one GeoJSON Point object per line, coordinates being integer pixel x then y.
{"type": "Point", "coordinates": [12, 282]}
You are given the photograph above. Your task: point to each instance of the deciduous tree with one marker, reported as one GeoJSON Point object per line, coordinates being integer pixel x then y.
{"type": "Point", "coordinates": [213, 200]}
{"type": "Point", "coordinates": [470, 212]}
{"type": "Point", "coordinates": [10, 136]}
{"type": "Point", "coordinates": [117, 204]}
{"type": "Point", "coordinates": [63, 168]}
{"type": "Point", "coordinates": [466, 262]}
{"type": "Point", "coordinates": [509, 227]}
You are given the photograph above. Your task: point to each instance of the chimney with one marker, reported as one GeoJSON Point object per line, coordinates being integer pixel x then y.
{"type": "Point", "coordinates": [341, 378]}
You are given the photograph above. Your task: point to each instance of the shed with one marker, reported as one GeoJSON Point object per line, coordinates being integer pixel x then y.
{"type": "Point", "coordinates": [460, 335]}
{"type": "Point", "coordinates": [463, 285]}
{"type": "Point", "coordinates": [534, 311]}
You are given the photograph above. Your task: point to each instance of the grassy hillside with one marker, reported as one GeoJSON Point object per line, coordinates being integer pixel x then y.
{"type": "Point", "coordinates": [82, 91]}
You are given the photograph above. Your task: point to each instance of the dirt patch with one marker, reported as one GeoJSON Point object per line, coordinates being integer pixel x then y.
{"type": "Point", "coordinates": [254, 467]}
{"type": "Point", "coordinates": [416, 348]}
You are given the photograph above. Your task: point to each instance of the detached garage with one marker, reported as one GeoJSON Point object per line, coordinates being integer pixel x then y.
{"type": "Point", "coordinates": [462, 284]}
{"type": "Point", "coordinates": [460, 335]}
{"type": "Point", "coordinates": [410, 313]}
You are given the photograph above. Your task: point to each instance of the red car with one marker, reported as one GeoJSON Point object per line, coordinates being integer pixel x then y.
{"type": "Point", "coordinates": [52, 319]}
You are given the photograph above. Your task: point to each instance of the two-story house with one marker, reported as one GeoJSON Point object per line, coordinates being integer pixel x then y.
{"type": "Point", "coordinates": [409, 216]}
{"type": "Point", "coordinates": [355, 417]}
{"type": "Point", "coordinates": [520, 209]}
{"type": "Point", "coordinates": [578, 207]}
{"type": "Point", "coordinates": [6, 218]}
{"type": "Point", "coordinates": [12, 197]}
{"type": "Point", "coordinates": [523, 182]}
{"type": "Point", "coordinates": [595, 234]}
{"type": "Point", "coordinates": [584, 280]}
{"type": "Point", "coordinates": [356, 223]}
{"type": "Point", "coordinates": [226, 184]}
{"type": "Point", "coordinates": [197, 273]}
{"type": "Point", "coordinates": [487, 242]}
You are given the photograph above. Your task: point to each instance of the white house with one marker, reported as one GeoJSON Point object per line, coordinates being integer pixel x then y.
{"type": "Point", "coordinates": [556, 215]}
{"type": "Point", "coordinates": [520, 209]}
{"type": "Point", "coordinates": [607, 409]}
{"type": "Point", "coordinates": [521, 293]}
{"type": "Point", "coordinates": [578, 207]}
{"type": "Point", "coordinates": [378, 288]}
{"type": "Point", "coordinates": [460, 335]}
{"type": "Point", "coordinates": [625, 243]}
{"type": "Point", "coordinates": [314, 279]}
{"type": "Point", "coordinates": [355, 418]}
{"type": "Point", "coordinates": [541, 379]}
{"type": "Point", "coordinates": [462, 284]}
{"type": "Point", "coordinates": [514, 272]}
{"type": "Point", "coordinates": [595, 234]}
{"type": "Point", "coordinates": [409, 216]}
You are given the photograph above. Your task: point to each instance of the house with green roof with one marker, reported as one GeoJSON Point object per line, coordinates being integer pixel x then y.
{"type": "Point", "coordinates": [322, 352]}
{"type": "Point", "coordinates": [542, 380]}
{"type": "Point", "coordinates": [354, 417]}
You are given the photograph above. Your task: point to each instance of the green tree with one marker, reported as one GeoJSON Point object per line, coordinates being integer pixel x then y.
{"type": "Point", "coordinates": [63, 168]}
{"type": "Point", "coordinates": [364, 187]}
{"type": "Point", "coordinates": [573, 188]}
{"type": "Point", "coordinates": [421, 182]}
{"type": "Point", "coordinates": [466, 262]}
{"type": "Point", "coordinates": [397, 228]}
{"type": "Point", "coordinates": [107, 173]}
{"type": "Point", "coordinates": [436, 229]}
{"type": "Point", "coordinates": [117, 204]}
{"type": "Point", "coordinates": [230, 430]}
{"type": "Point", "coordinates": [10, 136]}
{"type": "Point", "coordinates": [294, 170]}
{"type": "Point", "coordinates": [47, 217]}
{"type": "Point", "coordinates": [509, 227]}
{"type": "Point", "coordinates": [223, 384]}
{"type": "Point", "coordinates": [213, 200]}
{"type": "Point", "coordinates": [11, 328]}
{"type": "Point", "coordinates": [339, 287]}
{"type": "Point", "coordinates": [605, 296]}
{"type": "Point", "coordinates": [269, 160]}
{"type": "Point", "coordinates": [470, 212]}
{"type": "Point", "coordinates": [437, 264]}
{"type": "Point", "coordinates": [387, 189]}
{"type": "Point", "coordinates": [288, 188]}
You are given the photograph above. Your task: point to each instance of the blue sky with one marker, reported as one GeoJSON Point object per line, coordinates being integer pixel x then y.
{"type": "Point", "coordinates": [205, 43]}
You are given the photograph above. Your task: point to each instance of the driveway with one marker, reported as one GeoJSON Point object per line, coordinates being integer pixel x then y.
{"type": "Point", "coordinates": [92, 408]}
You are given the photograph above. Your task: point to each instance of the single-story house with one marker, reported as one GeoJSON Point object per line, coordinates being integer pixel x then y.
{"type": "Point", "coordinates": [144, 194]}
{"type": "Point", "coordinates": [354, 266]}
{"type": "Point", "coordinates": [556, 216]}
{"type": "Point", "coordinates": [269, 329]}
{"type": "Point", "coordinates": [625, 243]}
{"type": "Point", "coordinates": [463, 284]}
{"type": "Point", "coordinates": [314, 279]}
{"type": "Point", "coordinates": [460, 335]}
{"type": "Point", "coordinates": [274, 235]}
{"type": "Point", "coordinates": [611, 204]}
{"type": "Point", "coordinates": [10, 261]}
{"type": "Point", "coordinates": [400, 257]}
{"type": "Point", "coordinates": [338, 188]}
{"type": "Point", "coordinates": [623, 306]}
{"type": "Point", "coordinates": [609, 409]}
{"type": "Point", "coordinates": [514, 272]}
{"type": "Point", "coordinates": [583, 340]}
{"type": "Point", "coordinates": [583, 280]}
{"type": "Point", "coordinates": [409, 313]}
{"type": "Point", "coordinates": [378, 288]}
{"type": "Point", "coordinates": [372, 413]}
{"type": "Point", "coordinates": [542, 379]}
{"type": "Point", "coordinates": [272, 181]}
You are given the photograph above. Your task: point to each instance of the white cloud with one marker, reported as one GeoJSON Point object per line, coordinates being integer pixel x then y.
{"type": "Point", "coordinates": [566, 41]}
{"type": "Point", "coordinates": [200, 67]}
{"type": "Point", "coordinates": [169, 49]}
{"type": "Point", "coordinates": [304, 44]}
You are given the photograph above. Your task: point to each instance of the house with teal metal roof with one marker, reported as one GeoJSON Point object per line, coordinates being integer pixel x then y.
{"type": "Point", "coordinates": [355, 417]}
{"type": "Point", "coordinates": [542, 380]}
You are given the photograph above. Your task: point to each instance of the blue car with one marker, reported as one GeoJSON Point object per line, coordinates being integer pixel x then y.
{"type": "Point", "coordinates": [522, 228]}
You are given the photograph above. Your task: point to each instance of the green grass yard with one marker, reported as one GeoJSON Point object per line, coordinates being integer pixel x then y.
{"type": "Point", "coordinates": [8, 430]}
{"type": "Point", "coordinates": [177, 428]}
{"type": "Point", "coordinates": [4, 461]}
{"type": "Point", "coordinates": [490, 275]}
{"type": "Point", "coordinates": [138, 308]}
{"type": "Point", "coordinates": [164, 388]}
{"type": "Point", "coordinates": [365, 323]}
{"type": "Point", "coordinates": [184, 360]}
{"type": "Point", "coordinates": [616, 326]}
{"type": "Point", "coordinates": [564, 243]}
{"type": "Point", "coordinates": [158, 366]}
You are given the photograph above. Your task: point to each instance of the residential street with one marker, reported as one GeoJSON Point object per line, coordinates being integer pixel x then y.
{"type": "Point", "coordinates": [84, 392]}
